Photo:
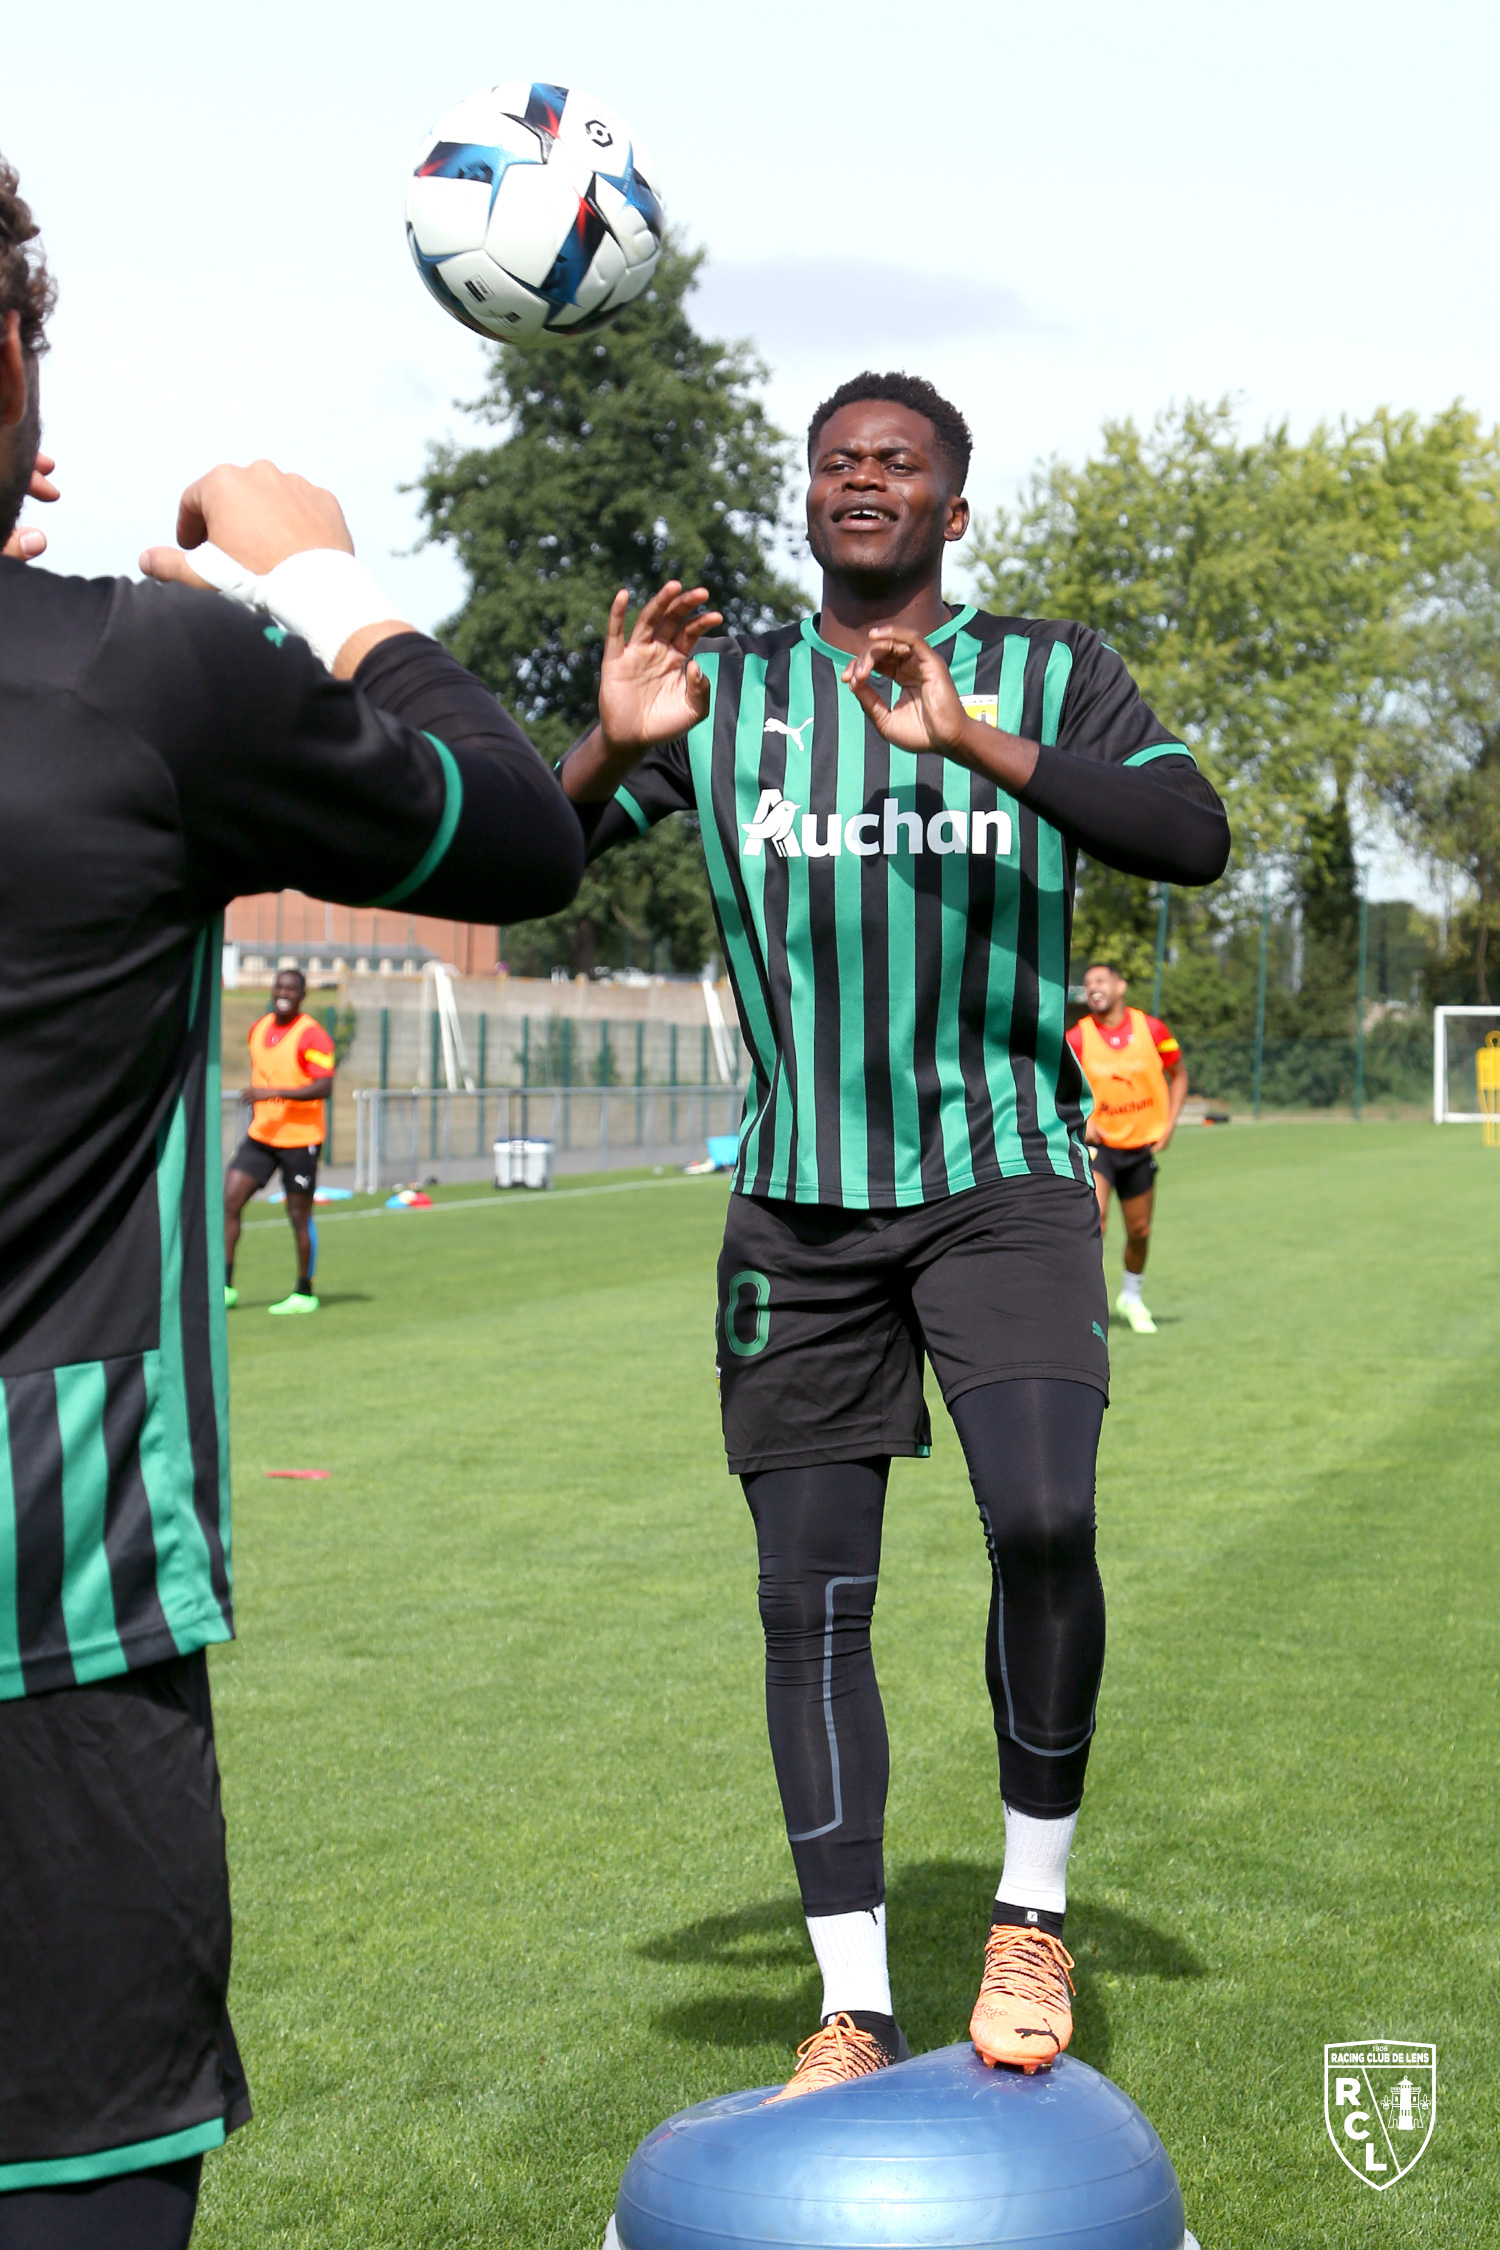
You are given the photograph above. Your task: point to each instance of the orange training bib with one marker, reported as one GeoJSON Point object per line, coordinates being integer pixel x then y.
{"type": "Point", "coordinates": [293, 1057]}
{"type": "Point", "coordinates": [1128, 1084]}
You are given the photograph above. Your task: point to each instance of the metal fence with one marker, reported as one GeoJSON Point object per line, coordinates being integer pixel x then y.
{"type": "Point", "coordinates": [433, 1134]}
{"type": "Point", "coordinates": [399, 1045]}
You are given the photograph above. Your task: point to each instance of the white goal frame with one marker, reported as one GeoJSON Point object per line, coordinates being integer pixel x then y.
{"type": "Point", "coordinates": [1441, 1113]}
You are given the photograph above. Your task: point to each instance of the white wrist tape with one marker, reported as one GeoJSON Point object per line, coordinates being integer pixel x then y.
{"type": "Point", "coordinates": [323, 595]}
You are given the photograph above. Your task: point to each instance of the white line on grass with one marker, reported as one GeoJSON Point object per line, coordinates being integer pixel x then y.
{"type": "Point", "coordinates": [496, 1200]}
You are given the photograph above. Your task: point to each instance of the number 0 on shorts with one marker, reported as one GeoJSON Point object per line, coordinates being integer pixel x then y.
{"type": "Point", "coordinates": [759, 1290]}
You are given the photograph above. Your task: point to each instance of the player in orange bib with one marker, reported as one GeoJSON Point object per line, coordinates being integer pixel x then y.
{"type": "Point", "coordinates": [291, 1077]}
{"type": "Point", "coordinates": [1139, 1082]}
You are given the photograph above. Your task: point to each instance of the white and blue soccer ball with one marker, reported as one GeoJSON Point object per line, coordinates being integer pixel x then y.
{"type": "Point", "coordinates": [533, 209]}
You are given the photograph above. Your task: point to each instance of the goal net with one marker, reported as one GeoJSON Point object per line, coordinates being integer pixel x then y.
{"type": "Point", "coordinates": [1457, 1036]}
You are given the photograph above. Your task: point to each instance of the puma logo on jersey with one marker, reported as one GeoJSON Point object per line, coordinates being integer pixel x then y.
{"type": "Point", "coordinates": [793, 734]}
{"type": "Point", "coordinates": [885, 833]}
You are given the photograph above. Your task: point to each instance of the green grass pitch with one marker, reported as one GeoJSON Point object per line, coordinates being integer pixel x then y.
{"type": "Point", "coordinates": [509, 1876]}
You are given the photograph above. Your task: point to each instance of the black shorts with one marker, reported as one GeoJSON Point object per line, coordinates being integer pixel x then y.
{"type": "Point", "coordinates": [825, 1315]}
{"type": "Point", "coordinates": [116, 2051]}
{"type": "Point", "coordinates": [1129, 1171]}
{"type": "Point", "coordinates": [298, 1166]}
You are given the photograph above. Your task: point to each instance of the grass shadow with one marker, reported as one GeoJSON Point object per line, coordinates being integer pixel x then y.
{"type": "Point", "coordinates": [759, 1962]}
{"type": "Point", "coordinates": [1110, 1947]}
{"type": "Point", "coordinates": [762, 1985]}
{"type": "Point", "coordinates": [745, 2019]}
{"type": "Point", "coordinates": [772, 1935]}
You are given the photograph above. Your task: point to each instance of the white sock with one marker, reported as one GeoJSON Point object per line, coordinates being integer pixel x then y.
{"type": "Point", "coordinates": [1036, 1862]}
{"type": "Point", "coordinates": [851, 1955]}
{"type": "Point", "coordinates": [1130, 1285]}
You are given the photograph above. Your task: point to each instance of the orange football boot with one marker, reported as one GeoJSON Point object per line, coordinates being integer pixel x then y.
{"type": "Point", "coordinates": [1023, 2014]}
{"type": "Point", "coordinates": [837, 2051]}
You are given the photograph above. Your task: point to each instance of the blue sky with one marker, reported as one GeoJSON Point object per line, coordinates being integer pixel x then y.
{"type": "Point", "coordinates": [1060, 215]}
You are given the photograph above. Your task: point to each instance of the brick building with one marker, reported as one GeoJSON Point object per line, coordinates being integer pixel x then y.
{"type": "Point", "coordinates": [285, 927]}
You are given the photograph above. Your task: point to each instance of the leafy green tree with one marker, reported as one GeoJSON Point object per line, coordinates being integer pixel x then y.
{"type": "Point", "coordinates": [1261, 592]}
{"type": "Point", "coordinates": [1327, 890]}
{"type": "Point", "coordinates": [1255, 588]}
{"type": "Point", "coordinates": [1436, 753]}
{"type": "Point", "coordinates": [639, 453]}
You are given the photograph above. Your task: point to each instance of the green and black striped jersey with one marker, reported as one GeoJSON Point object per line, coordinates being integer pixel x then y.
{"type": "Point", "coordinates": [162, 751]}
{"type": "Point", "coordinates": [896, 928]}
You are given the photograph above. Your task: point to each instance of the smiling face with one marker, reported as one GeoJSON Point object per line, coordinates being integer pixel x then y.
{"type": "Point", "coordinates": [286, 996]}
{"type": "Point", "coordinates": [1103, 992]}
{"type": "Point", "coordinates": [881, 505]}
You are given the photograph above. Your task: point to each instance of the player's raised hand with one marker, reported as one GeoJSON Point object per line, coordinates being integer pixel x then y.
{"type": "Point", "coordinates": [259, 516]}
{"type": "Point", "coordinates": [280, 545]}
{"type": "Point", "coordinates": [927, 714]}
{"type": "Point", "coordinates": [650, 688]}
{"type": "Point", "coordinates": [26, 542]}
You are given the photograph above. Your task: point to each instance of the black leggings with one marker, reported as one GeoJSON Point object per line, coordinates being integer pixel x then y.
{"type": "Point", "coordinates": [133, 2211]}
{"type": "Point", "coordinates": [1030, 1447]}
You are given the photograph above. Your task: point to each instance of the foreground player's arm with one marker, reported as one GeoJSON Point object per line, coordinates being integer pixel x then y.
{"type": "Point", "coordinates": [292, 779]}
{"type": "Point", "coordinates": [517, 837]}
{"type": "Point", "coordinates": [287, 779]}
{"type": "Point", "coordinates": [1159, 819]}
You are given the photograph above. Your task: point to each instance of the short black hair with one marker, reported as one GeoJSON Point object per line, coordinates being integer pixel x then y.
{"type": "Point", "coordinates": [290, 971]}
{"type": "Point", "coordinates": [1114, 972]}
{"type": "Point", "coordinates": [955, 442]}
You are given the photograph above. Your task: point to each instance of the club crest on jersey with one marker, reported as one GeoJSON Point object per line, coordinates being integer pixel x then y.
{"type": "Point", "coordinates": [885, 831]}
{"type": "Point", "coordinates": [1380, 2105]}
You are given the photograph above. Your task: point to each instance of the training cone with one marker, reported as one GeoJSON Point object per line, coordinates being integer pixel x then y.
{"type": "Point", "coordinates": [935, 2151]}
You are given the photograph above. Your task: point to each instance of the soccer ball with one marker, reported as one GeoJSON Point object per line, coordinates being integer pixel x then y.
{"type": "Point", "coordinates": [531, 209]}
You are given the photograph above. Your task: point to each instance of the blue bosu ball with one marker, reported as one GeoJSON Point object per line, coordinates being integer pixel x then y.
{"type": "Point", "coordinates": [935, 2151]}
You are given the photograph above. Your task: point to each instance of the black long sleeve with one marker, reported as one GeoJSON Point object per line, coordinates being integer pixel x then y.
{"type": "Point", "coordinates": [517, 851]}
{"type": "Point", "coordinates": [1162, 820]}
{"type": "Point", "coordinates": [589, 817]}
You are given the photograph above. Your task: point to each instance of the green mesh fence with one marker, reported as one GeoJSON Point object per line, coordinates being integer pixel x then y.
{"type": "Point", "coordinates": [1316, 1073]}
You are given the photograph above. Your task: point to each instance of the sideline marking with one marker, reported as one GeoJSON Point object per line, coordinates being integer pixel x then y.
{"type": "Point", "coordinates": [497, 1200]}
